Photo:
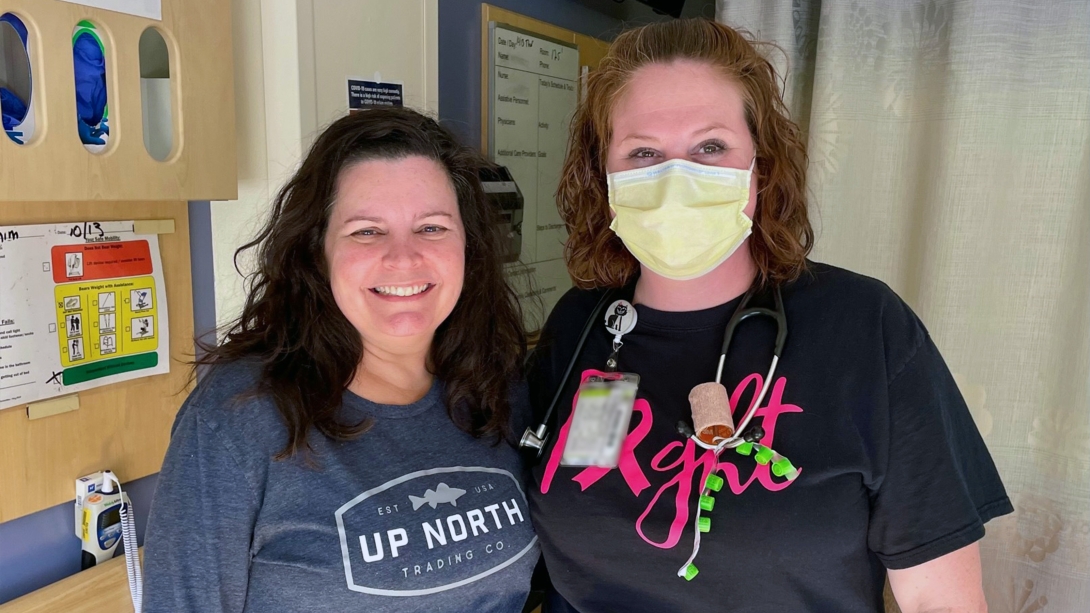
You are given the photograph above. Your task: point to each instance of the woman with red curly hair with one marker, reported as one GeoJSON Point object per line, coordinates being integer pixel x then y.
{"type": "Point", "coordinates": [736, 486]}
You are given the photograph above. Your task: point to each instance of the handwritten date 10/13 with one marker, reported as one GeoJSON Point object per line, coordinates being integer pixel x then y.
{"type": "Point", "coordinates": [87, 229]}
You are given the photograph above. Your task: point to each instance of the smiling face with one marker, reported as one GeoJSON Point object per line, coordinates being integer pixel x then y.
{"type": "Point", "coordinates": [685, 110]}
{"type": "Point", "coordinates": [395, 247]}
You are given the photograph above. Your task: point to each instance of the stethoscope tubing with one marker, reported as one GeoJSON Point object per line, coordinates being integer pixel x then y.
{"type": "Point", "coordinates": [587, 327]}
{"type": "Point", "coordinates": [738, 437]}
{"type": "Point", "coordinates": [740, 315]}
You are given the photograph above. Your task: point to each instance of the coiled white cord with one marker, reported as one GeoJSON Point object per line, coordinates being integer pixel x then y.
{"type": "Point", "coordinates": [128, 537]}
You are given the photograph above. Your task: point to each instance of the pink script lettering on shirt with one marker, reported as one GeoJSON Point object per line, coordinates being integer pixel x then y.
{"type": "Point", "coordinates": [686, 462]}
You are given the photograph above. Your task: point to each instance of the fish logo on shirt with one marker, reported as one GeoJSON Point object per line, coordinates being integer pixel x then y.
{"type": "Point", "coordinates": [442, 493]}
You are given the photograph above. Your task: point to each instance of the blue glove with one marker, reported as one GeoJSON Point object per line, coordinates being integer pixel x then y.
{"type": "Point", "coordinates": [13, 108]}
{"type": "Point", "coordinates": [89, 135]}
{"type": "Point", "coordinates": [89, 64]}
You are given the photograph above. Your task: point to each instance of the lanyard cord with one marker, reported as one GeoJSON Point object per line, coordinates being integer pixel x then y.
{"type": "Point", "coordinates": [602, 302]}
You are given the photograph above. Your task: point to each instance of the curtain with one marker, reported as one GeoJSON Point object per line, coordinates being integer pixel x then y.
{"type": "Point", "coordinates": [949, 147]}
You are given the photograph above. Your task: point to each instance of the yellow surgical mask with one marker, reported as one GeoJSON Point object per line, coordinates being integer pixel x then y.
{"type": "Point", "coordinates": [679, 218]}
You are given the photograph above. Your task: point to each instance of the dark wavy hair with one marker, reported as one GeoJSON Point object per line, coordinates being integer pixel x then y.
{"type": "Point", "coordinates": [309, 351]}
{"type": "Point", "coordinates": [782, 235]}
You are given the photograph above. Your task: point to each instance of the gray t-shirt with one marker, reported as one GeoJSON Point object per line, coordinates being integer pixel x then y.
{"type": "Point", "coordinates": [414, 515]}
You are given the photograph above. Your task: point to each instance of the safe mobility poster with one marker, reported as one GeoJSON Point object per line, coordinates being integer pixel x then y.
{"type": "Point", "coordinates": [82, 305]}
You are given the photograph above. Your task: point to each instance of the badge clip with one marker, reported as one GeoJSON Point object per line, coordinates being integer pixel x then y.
{"type": "Point", "coordinates": [620, 320]}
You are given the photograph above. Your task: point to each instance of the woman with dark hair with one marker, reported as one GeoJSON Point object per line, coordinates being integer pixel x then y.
{"type": "Point", "coordinates": [795, 436]}
{"type": "Point", "coordinates": [349, 448]}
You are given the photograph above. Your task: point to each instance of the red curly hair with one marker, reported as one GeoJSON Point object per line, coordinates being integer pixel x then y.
{"type": "Point", "coordinates": [782, 235]}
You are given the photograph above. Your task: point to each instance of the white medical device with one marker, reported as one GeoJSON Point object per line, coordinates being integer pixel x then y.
{"type": "Point", "coordinates": [98, 519]}
{"type": "Point", "coordinates": [104, 519]}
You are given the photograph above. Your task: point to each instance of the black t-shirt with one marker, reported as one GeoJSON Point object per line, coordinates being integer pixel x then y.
{"type": "Point", "coordinates": [892, 470]}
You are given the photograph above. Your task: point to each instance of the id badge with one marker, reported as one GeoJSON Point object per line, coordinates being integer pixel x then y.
{"type": "Point", "coordinates": [603, 410]}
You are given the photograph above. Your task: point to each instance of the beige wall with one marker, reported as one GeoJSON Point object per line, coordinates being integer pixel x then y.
{"type": "Point", "coordinates": [292, 58]}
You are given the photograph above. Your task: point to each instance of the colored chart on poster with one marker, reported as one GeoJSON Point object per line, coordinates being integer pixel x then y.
{"type": "Point", "coordinates": [97, 289]}
{"type": "Point", "coordinates": [93, 261]}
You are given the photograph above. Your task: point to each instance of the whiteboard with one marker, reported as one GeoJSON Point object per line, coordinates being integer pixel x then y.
{"type": "Point", "coordinates": [533, 92]}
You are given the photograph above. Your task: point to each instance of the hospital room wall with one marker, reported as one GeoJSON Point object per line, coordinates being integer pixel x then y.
{"type": "Point", "coordinates": [291, 58]}
{"type": "Point", "coordinates": [291, 64]}
{"type": "Point", "coordinates": [460, 44]}
{"type": "Point", "coordinates": [40, 548]}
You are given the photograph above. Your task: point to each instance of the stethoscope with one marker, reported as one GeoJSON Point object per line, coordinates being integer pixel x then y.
{"type": "Point", "coordinates": [741, 435]}
{"type": "Point", "coordinates": [534, 438]}
{"type": "Point", "coordinates": [744, 439]}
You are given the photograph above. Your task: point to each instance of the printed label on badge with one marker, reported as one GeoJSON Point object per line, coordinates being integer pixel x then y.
{"type": "Point", "coordinates": [603, 411]}
{"type": "Point", "coordinates": [620, 318]}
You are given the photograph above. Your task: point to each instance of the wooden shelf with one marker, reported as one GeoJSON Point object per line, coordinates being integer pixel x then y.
{"type": "Point", "coordinates": [107, 582]}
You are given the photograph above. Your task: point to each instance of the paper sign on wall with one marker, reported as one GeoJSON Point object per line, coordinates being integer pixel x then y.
{"type": "Point", "coordinates": [373, 94]}
{"type": "Point", "coordinates": [82, 305]}
{"type": "Point", "coordinates": [151, 9]}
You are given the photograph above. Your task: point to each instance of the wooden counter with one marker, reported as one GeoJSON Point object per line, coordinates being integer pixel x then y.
{"type": "Point", "coordinates": [102, 589]}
